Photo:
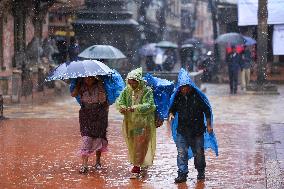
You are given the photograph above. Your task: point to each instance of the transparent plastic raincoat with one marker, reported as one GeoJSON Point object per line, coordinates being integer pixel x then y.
{"type": "Point", "coordinates": [139, 126]}
{"type": "Point", "coordinates": [210, 140]}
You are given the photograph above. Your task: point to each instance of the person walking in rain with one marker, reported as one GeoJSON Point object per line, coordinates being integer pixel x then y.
{"type": "Point", "coordinates": [192, 115]}
{"type": "Point", "coordinates": [234, 60]}
{"type": "Point", "coordinates": [73, 49]}
{"type": "Point", "coordinates": [245, 68]}
{"type": "Point", "coordinates": [136, 103]}
{"type": "Point", "coordinates": [93, 118]}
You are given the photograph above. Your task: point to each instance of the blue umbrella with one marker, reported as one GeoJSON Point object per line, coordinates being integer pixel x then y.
{"type": "Point", "coordinates": [101, 52]}
{"type": "Point", "coordinates": [249, 41]}
{"type": "Point", "coordinates": [75, 69]}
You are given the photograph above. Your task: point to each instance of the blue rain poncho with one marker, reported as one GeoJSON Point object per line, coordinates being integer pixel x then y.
{"type": "Point", "coordinates": [113, 84]}
{"type": "Point", "coordinates": [162, 90]}
{"type": "Point", "coordinates": [210, 140]}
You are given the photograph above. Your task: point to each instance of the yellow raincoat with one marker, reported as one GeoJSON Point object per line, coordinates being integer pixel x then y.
{"type": "Point", "coordinates": [139, 126]}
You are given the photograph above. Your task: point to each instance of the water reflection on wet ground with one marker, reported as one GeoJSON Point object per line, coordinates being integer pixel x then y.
{"type": "Point", "coordinates": [39, 143]}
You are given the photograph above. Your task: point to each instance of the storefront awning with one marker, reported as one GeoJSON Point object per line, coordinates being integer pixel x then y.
{"type": "Point", "coordinates": [64, 33]}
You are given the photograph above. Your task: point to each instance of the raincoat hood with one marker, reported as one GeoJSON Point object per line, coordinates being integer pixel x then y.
{"type": "Point", "coordinates": [184, 79]}
{"type": "Point", "coordinates": [210, 140]}
{"type": "Point", "coordinates": [135, 74]}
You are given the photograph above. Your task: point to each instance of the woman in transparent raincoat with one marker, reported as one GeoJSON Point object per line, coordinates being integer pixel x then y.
{"type": "Point", "coordinates": [136, 103]}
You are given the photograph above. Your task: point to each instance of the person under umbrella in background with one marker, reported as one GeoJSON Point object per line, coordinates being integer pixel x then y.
{"type": "Point", "coordinates": [149, 51]}
{"type": "Point", "coordinates": [150, 64]}
{"type": "Point", "coordinates": [170, 60]}
{"type": "Point", "coordinates": [159, 60]}
{"type": "Point", "coordinates": [192, 126]}
{"type": "Point", "coordinates": [93, 118]}
{"type": "Point", "coordinates": [136, 103]}
{"type": "Point", "coordinates": [234, 61]}
{"type": "Point", "coordinates": [73, 49]}
{"type": "Point", "coordinates": [245, 68]}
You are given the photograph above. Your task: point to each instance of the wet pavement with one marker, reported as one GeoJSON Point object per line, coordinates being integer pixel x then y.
{"type": "Point", "coordinates": [39, 143]}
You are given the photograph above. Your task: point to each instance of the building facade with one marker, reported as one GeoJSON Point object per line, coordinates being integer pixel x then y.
{"type": "Point", "coordinates": [23, 26]}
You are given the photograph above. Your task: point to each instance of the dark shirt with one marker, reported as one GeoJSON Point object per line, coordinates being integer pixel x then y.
{"type": "Point", "coordinates": [191, 109]}
{"type": "Point", "coordinates": [73, 51]}
{"type": "Point", "coordinates": [234, 61]}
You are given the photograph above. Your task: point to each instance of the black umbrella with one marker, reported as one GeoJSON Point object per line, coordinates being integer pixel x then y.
{"type": "Point", "coordinates": [80, 68]}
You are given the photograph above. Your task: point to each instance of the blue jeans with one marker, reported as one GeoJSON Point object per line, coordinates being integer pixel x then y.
{"type": "Point", "coordinates": [197, 145]}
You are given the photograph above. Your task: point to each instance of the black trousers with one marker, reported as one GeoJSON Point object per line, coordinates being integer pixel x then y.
{"type": "Point", "coordinates": [233, 78]}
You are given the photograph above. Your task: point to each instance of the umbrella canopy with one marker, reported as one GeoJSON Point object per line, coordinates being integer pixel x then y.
{"type": "Point", "coordinates": [249, 41]}
{"type": "Point", "coordinates": [75, 69]}
{"type": "Point", "coordinates": [231, 39]}
{"type": "Point", "coordinates": [187, 46]}
{"type": "Point", "coordinates": [149, 49]}
{"type": "Point", "coordinates": [193, 41]}
{"type": "Point", "coordinates": [166, 44]}
{"type": "Point", "coordinates": [101, 52]}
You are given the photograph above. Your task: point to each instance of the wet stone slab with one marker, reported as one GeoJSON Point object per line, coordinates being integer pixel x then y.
{"type": "Point", "coordinates": [39, 144]}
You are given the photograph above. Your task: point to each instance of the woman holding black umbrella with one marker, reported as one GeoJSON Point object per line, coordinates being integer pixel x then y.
{"type": "Point", "coordinates": [93, 118]}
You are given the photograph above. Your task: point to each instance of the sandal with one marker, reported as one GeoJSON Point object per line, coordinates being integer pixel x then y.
{"type": "Point", "coordinates": [98, 166]}
{"type": "Point", "coordinates": [83, 170]}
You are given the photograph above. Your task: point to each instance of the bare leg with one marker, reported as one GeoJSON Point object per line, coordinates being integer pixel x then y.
{"type": "Point", "coordinates": [84, 160]}
{"type": "Point", "coordinates": [84, 167]}
{"type": "Point", "coordinates": [98, 157]}
{"type": "Point", "coordinates": [98, 160]}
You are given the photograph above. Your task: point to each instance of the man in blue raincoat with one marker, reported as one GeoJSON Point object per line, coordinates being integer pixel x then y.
{"type": "Point", "coordinates": [193, 118]}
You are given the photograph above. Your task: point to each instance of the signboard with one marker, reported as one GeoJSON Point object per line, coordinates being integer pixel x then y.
{"type": "Point", "coordinates": [278, 40]}
{"type": "Point", "coordinates": [247, 12]}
